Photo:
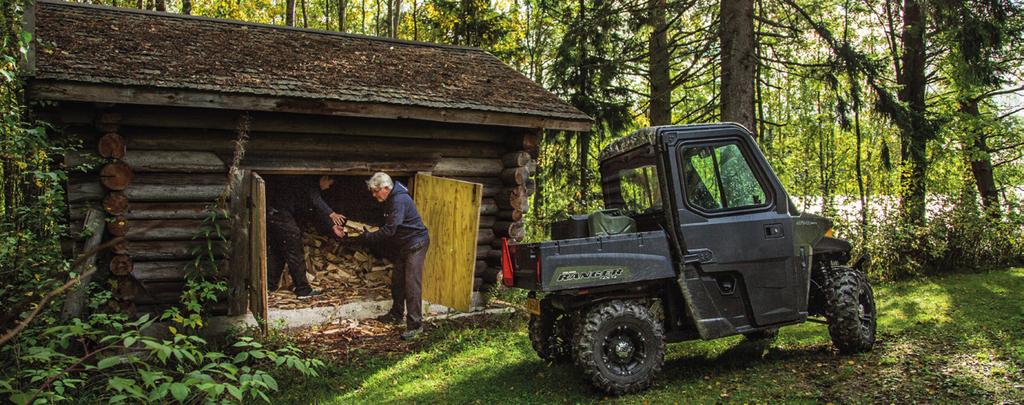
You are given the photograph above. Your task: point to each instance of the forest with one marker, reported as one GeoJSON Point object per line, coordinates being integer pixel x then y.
{"type": "Point", "coordinates": [903, 121]}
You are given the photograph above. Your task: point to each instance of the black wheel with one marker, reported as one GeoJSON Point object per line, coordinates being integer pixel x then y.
{"type": "Point", "coordinates": [850, 310]}
{"type": "Point", "coordinates": [619, 346]}
{"type": "Point", "coordinates": [551, 333]}
{"type": "Point", "coordinates": [764, 334]}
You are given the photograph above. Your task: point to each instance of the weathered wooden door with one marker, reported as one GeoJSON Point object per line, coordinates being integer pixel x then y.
{"type": "Point", "coordinates": [258, 250]}
{"type": "Point", "coordinates": [451, 212]}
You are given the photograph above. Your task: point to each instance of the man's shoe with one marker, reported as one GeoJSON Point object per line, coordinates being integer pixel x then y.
{"type": "Point", "coordinates": [411, 333]}
{"type": "Point", "coordinates": [311, 294]}
{"type": "Point", "coordinates": [389, 318]}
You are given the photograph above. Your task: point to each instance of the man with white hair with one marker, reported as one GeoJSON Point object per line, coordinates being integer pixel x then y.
{"type": "Point", "coordinates": [405, 239]}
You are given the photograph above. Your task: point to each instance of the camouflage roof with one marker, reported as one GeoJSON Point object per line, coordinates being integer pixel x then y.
{"type": "Point", "coordinates": [640, 137]}
{"type": "Point", "coordinates": [105, 45]}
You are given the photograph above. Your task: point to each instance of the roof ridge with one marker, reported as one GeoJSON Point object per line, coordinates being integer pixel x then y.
{"type": "Point", "coordinates": [167, 14]}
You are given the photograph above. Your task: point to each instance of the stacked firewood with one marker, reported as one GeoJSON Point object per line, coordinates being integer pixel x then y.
{"type": "Point", "coordinates": [341, 272]}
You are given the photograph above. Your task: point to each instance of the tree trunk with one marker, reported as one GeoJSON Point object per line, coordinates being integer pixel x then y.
{"type": "Point", "coordinates": [186, 7]}
{"type": "Point", "coordinates": [305, 22]}
{"type": "Point", "coordinates": [660, 77]}
{"type": "Point", "coordinates": [981, 160]}
{"type": "Point", "coordinates": [342, 7]}
{"type": "Point", "coordinates": [161, 5]}
{"type": "Point", "coordinates": [914, 139]}
{"type": "Point", "coordinates": [289, 14]}
{"type": "Point", "coordinates": [737, 40]}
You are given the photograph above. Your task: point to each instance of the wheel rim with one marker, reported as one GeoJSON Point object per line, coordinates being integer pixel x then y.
{"type": "Point", "coordinates": [624, 350]}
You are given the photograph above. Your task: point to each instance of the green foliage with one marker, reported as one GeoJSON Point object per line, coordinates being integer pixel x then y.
{"type": "Point", "coordinates": [111, 359]}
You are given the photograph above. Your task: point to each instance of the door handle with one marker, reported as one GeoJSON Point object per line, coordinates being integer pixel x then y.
{"type": "Point", "coordinates": [772, 231]}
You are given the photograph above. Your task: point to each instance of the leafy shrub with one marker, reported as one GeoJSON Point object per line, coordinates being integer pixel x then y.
{"type": "Point", "coordinates": [111, 359]}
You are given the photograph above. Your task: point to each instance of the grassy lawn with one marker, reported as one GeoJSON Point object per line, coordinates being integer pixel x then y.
{"type": "Point", "coordinates": [958, 338]}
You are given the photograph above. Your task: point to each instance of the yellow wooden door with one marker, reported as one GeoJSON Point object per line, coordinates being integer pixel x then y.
{"type": "Point", "coordinates": [451, 212]}
{"type": "Point", "coordinates": [258, 251]}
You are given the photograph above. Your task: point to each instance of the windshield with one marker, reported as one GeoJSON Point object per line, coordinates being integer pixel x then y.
{"type": "Point", "coordinates": [630, 181]}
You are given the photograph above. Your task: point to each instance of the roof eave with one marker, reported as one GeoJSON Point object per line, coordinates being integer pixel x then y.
{"type": "Point", "coordinates": [62, 90]}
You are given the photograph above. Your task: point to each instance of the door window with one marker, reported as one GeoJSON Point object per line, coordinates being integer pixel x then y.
{"type": "Point", "coordinates": [719, 177]}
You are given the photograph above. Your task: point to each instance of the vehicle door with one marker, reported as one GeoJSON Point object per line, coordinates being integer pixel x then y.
{"type": "Point", "coordinates": [733, 215]}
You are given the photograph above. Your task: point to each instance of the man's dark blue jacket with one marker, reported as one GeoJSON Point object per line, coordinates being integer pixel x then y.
{"type": "Point", "coordinates": [403, 226]}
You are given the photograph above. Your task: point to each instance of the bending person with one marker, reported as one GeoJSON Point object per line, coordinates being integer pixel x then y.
{"type": "Point", "coordinates": [405, 238]}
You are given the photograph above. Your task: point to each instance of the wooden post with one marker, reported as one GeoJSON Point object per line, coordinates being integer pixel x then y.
{"type": "Point", "coordinates": [75, 303]}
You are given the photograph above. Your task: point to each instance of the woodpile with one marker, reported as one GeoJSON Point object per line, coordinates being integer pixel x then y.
{"type": "Point", "coordinates": [341, 272]}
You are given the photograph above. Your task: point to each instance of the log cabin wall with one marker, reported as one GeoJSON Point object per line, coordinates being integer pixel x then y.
{"type": "Point", "coordinates": [178, 160]}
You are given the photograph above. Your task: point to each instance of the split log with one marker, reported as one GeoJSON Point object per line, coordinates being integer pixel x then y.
{"type": "Point", "coordinates": [121, 265]}
{"type": "Point", "coordinates": [515, 176]}
{"type": "Point", "coordinates": [515, 159]}
{"type": "Point", "coordinates": [174, 250]}
{"type": "Point", "coordinates": [488, 207]}
{"type": "Point", "coordinates": [484, 236]}
{"type": "Point", "coordinates": [116, 176]}
{"type": "Point", "coordinates": [125, 289]}
{"type": "Point", "coordinates": [510, 215]}
{"type": "Point", "coordinates": [513, 198]}
{"type": "Point", "coordinates": [115, 203]}
{"type": "Point", "coordinates": [111, 146]}
{"type": "Point", "coordinates": [118, 226]}
{"type": "Point", "coordinates": [175, 161]}
{"type": "Point", "coordinates": [512, 230]}
{"type": "Point", "coordinates": [450, 167]}
{"type": "Point", "coordinates": [75, 303]}
{"type": "Point", "coordinates": [487, 221]}
{"type": "Point", "coordinates": [173, 229]}
{"type": "Point", "coordinates": [108, 121]}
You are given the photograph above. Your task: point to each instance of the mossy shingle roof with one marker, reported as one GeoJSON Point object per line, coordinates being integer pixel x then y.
{"type": "Point", "coordinates": [132, 48]}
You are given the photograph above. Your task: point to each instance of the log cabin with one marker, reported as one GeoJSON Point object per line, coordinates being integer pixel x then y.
{"type": "Point", "coordinates": [158, 103]}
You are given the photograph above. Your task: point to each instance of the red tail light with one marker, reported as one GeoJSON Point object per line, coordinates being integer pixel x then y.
{"type": "Point", "coordinates": [506, 264]}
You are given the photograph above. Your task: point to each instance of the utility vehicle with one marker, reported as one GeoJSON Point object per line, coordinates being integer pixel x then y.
{"type": "Point", "coordinates": [698, 240]}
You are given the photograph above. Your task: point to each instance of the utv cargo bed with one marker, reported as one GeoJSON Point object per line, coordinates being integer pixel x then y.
{"type": "Point", "coordinates": [590, 262]}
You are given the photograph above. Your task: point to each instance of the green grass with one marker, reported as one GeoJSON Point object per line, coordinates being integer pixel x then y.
{"type": "Point", "coordinates": [958, 338]}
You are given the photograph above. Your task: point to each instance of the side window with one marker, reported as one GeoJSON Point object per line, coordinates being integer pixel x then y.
{"type": "Point", "coordinates": [718, 177]}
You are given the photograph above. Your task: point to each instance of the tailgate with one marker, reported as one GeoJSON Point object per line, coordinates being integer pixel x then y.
{"type": "Point", "coordinates": [589, 262]}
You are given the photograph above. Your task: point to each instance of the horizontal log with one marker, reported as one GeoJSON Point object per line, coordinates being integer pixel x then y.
{"type": "Point", "coordinates": [450, 167]}
{"type": "Point", "coordinates": [482, 251]}
{"type": "Point", "coordinates": [484, 236]}
{"type": "Point", "coordinates": [171, 229]}
{"type": "Point", "coordinates": [293, 165]}
{"type": "Point", "coordinates": [515, 159]}
{"type": "Point", "coordinates": [493, 257]}
{"type": "Point", "coordinates": [159, 293]}
{"type": "Point", "coordinates": [515, 176]}
{"type": "Point", "coordinates": [489, 275]}
{"type": "Point", "coordinates": [143, 161]}
{"type": "Point", "coordinates": [531, 187]}
{"type": "Point", "coordinates": [488, 207]}
{"type": "Point", "coordinates": [115, 203]}
{"type": "Point", "coordinates": [491, 184]}
{"type": "Point", "coordinates": [511, 230]}
{"type": "Point", "coordinates": [487, 221]}
{"type": "Point", "coordinates": [166, 270]}
{"type": "Point", "coordinates": [118, 226]}
{"type": "Point", "coordinates": [478, 283]}
{"type": "Point", "coordinates": [219, 141]}
{"type": "Point", "coordinates": [125, 289]}
{"type": "Point", "coordinates": [510, 215]}
{"type": "Point", "coordinates": [532, 166]}
{"type": "Point", "coordinates": [174, 249]}
{"type": "Point", "coordinates": [480, 266]}
{"type": "Point", "coordinates": [152, 187]}
{"type": "Point", "coordinates": [154, 210]}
